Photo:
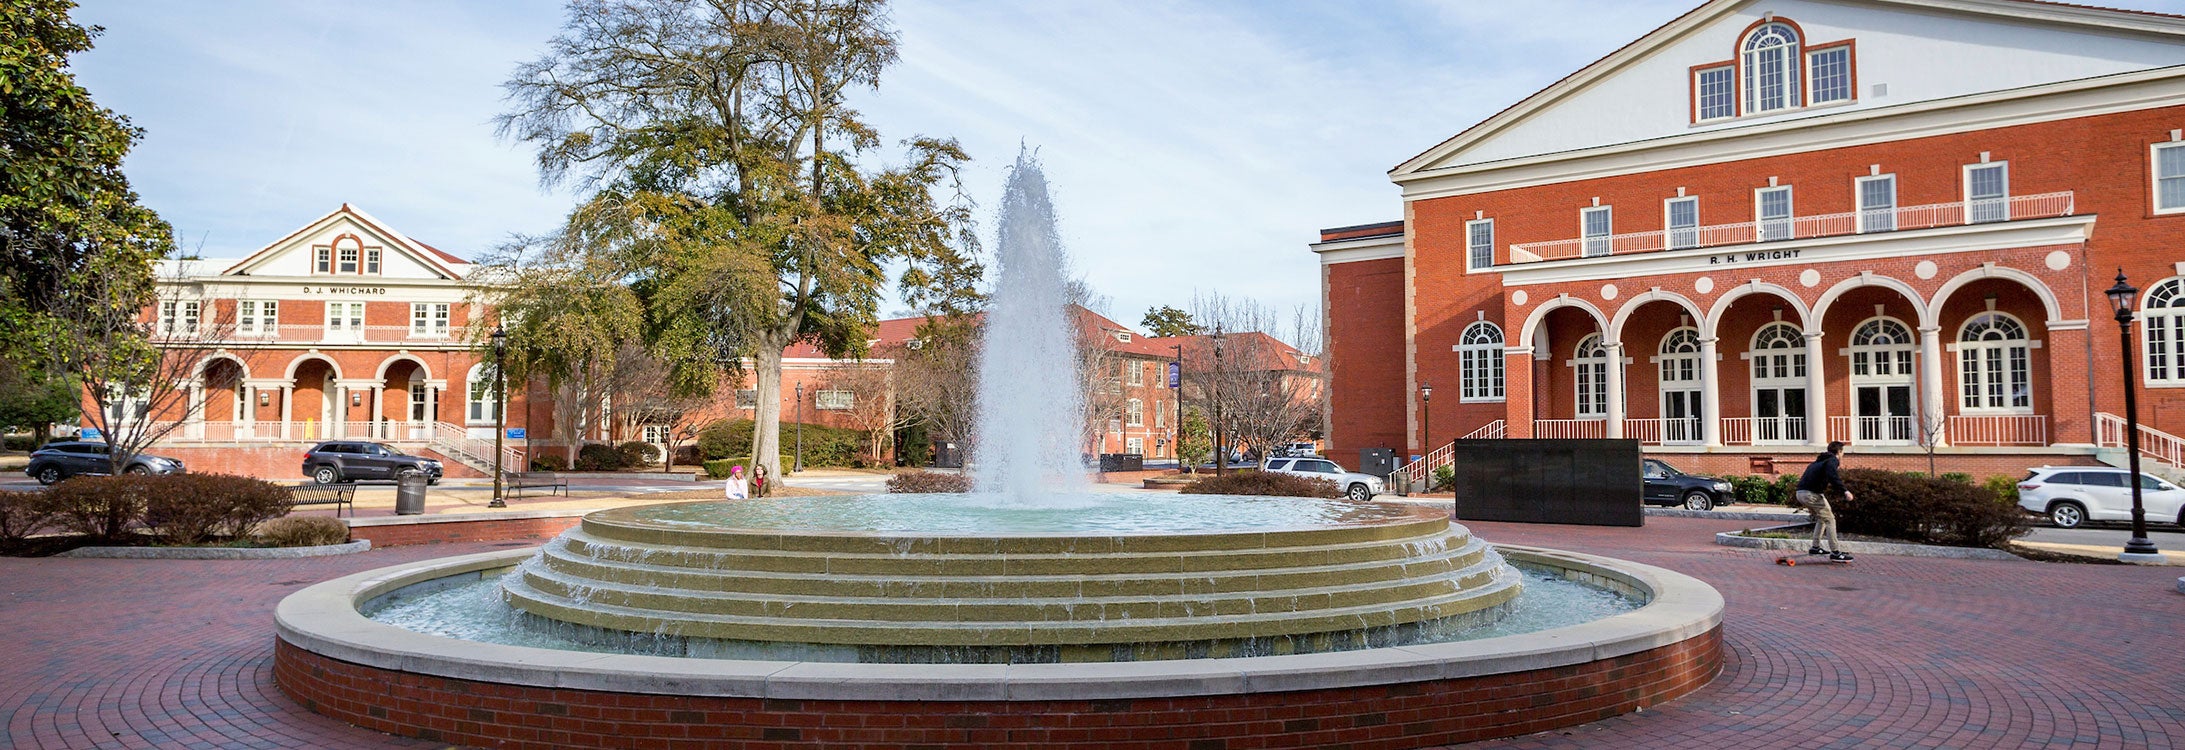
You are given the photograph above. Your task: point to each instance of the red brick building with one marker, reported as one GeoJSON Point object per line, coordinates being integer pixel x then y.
{"type": "Point", "coordinates": [1768, 225]}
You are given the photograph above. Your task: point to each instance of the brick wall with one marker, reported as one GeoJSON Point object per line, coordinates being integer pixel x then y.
{"type": "Point", "coordinates": [493, 530]}
{"type": "Point", "coordinates": [1365, 358]}
{"type": "Point", "coordinates": [1408, 715]}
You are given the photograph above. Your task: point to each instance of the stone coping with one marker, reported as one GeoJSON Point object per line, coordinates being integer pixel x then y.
{"type": "Point", "coordinates": [1906, 549]}
{"type": "Point", "coordinates": [502, 515]}
{"type": "Point", "coordinates": [220, 553]}
{"type": "Point", "coordinates": [323, 619]}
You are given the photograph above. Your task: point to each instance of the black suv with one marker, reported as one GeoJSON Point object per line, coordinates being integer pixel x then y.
{"type": "Point", "coordinates": [1667, 486]}
{"type": "Point", "coordinates": [63, 459]}
{"type": "Point", "coordinates": [348, 461]}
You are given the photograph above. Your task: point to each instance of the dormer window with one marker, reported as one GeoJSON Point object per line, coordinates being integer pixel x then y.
{"type": "Point", "coordinates": [1772, 69]}
{"type": "Point", "coordinates": [1123, 336]}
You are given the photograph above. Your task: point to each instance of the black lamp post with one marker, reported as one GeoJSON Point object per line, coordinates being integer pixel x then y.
{"type": "Point", "coordinates": [799, 465]}
{"type": "Point", "coordinates": [1221, 457]}
{"type": "Point", "coordinates": [1426, 418]}
{"type": "Point", "coordinates": [500, 412]}
{"type": "Point", "coordinates": [1176, 441]}
{"type": "Point", "coordinates": [2140, 548]}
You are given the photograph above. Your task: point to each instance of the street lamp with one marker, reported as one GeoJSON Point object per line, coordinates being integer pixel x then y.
{"type": "Point", "coordinates": [799, 465]}
{"type": "Point", "coordinates": [2140, 548]}
{"type": "Point", "coordinates": [1221, 457]}
{"type": "Point", "coordinates": [1176, 383]}
{"type": "Point", "coordinates": [500, 412]}
{"type": "Point", "coordinates": [1426, 418]}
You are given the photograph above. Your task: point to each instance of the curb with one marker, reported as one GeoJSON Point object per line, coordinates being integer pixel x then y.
{"type": "Point", "coordinates": [218, 553]}
{"type": "Point", "coordinates": [431, 518]}
{"type": "Point", "coordinates": [1733, 539]}
{"type": "Point", "coordinates": [1732, 515]}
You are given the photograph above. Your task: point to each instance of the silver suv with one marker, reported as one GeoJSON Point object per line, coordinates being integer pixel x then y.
{"type": "Point", "coordinates": [2073, 495]}
{"type": "Point", "coordinates": [1356, 486]}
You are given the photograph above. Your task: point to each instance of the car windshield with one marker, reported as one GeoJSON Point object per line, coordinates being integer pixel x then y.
{"type": "Point", "coordinates": [1662, 469]}
{"type": "Point", "coordinates": [392, 451]}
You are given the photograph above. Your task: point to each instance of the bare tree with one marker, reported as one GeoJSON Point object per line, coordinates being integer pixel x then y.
{"type": "Point", "coordinates": [872, 401]}
{"type": "Point", "coordinates": [937, 379]}
{"type": "Point", "coordinates": [1100, 368]}
{"type": "Point", "coordinates": [646, 392]}
{"type": "Point", "coordinates": [145, 379]}
{"type": "Point", "coordinates": [1259, 391]}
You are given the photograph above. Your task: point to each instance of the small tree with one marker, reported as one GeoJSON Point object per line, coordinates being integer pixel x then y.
{"type": "Point", "coordinates": [32, 400]}
{"type": "Point", "coordinates": [143, 380]}
{"type": "Point", "coordinates": [1168, 321]}
{"type": "Point", "coordinates": [1195, 442]}
{"type": "Point", "coordinates": [937, 383]}
{"type": "Point", "coordinates": [872, 402]}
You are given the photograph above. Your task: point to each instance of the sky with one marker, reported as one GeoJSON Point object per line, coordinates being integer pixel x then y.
{"type": "Point", "coordinates": [1192, 146]}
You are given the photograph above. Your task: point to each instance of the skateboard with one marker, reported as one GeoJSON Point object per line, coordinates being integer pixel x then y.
{"type": "Point", "coordinates": [1792, 560]}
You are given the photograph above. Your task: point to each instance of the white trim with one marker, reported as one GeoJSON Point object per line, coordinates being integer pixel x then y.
{"type": "Point", "coordinates": [2154, 176]}
{"type": "Point", "coordinates": [1959, 344]}
{"type": "Point", "coordinates": [1586, 238]}
{"type": "Point", "coordinates": [1363, 248]}
{"type": "Point", "coordinates": [1469, 266]}
{"type": "Point", "coordinates": [1631, 307]}
{"type": "Point", "coordinates": [1956, 238]}
{"type": "Point", "coordinates": [2049, 303]}
{"type": "Point", "coordinates": [1756, 286]}
{"type": "Point", "coordinates": [1851, 74]}
{"type": "Point", "coordinates": [1699, 93]}
{"type": "Point", "coordinates": [1861, 209]}
{"type": "Point", "coordinates": [1669, 229]}
{"type": "Point", "coordinates": [1965, 187]}
{"type": "Point", "coordinates": [1540, 313]}
{"type": "Point", "coordinates": [1923, 316]}
{"type": "Point", "coordinates": [1760, 222]}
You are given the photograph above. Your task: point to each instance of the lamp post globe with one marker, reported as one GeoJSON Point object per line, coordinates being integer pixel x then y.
{"type": "Point", "coordinates": [1426, 418]}
{"type": "Point", "coordinates": [500, 414]}
{"type": "Point", "coordinates": [2140, 548]}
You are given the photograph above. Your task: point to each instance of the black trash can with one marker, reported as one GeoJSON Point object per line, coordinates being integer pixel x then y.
{"type": "Point", "coordinates": [409, 494]}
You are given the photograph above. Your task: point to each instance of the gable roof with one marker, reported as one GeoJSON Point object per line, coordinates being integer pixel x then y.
{"type": "Point", "coordinates": [2048, 14]}
{"type": "Point", "coordinates": [426, 255]}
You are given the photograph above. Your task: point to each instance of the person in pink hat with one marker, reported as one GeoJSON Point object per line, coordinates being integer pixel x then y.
{"type": "Point", "coordinates": [738, 489]}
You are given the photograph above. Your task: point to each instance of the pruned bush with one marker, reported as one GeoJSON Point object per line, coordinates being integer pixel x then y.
{"type": "Point", "coordinates": [1928, 510]}
{"type": "Point", "coordinates": [21, 442]}
{"type": "Point", "coordinates": [1760, 490]}
{"type": "Point", "coordinates": [718, 468]}
{"type": "Point", "coordinates": [102, 507]}
{"type": "Point", "coordinates": [195, 508]}
{"type": "Point", "coordinates": [2005, 488]}
{"type": "Point", "coordinates": [907, 482]}
{"type": "Point", "coordinates": [638, 453]}
{"type": "Point", "coordinates": [23, 514]}
{"type": "Point", "coordinates": [598, 457]}
{"type": "Point", "coordinates": [302, 531]}
{"type": "Point", "coordinates": [1445, 479]}
{"type": "Point", "coordinates": [823, 445]}
{"type": "Point", "coordinates": [1263, 483]}
{"type": "Point", "coordinates": [549, 462]}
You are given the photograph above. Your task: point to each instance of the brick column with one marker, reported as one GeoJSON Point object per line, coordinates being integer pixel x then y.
{"type": "Point", "coordinates": [1517, 391]}
{"type": "Point", "coordinates": [1816, 392]}
{"type": "Point", "coordinates": [2071, 415]}
{"type": "Point", "coordinates": [1710, 390]}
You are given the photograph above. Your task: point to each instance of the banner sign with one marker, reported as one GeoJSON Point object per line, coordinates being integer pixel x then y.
{"type": "Point", "coordinates": [1175, 375]}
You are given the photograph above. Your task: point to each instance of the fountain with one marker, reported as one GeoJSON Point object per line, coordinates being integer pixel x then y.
{"type": "Point", "coordinates": [1028, 611]}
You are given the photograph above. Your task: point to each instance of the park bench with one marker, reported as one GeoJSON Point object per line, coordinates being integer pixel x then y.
{"type": "Point", "coordinates": [337, 495]}
{"type": "Point", "coordinates": [536, 480]}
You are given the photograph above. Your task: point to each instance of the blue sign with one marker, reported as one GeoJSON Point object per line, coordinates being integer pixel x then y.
{"type": "Point", "coordinates": [1175, 374]}
{"type": "Point", "coordinates": [515, 433]}
{"type": "Point", "coordinates": [88, 433]}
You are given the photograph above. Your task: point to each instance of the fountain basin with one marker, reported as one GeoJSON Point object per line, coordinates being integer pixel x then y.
{"type": "Point", "coordinates": [337, 662]}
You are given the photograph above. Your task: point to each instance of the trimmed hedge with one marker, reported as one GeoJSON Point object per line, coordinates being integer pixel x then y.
{"type": "Point", "coordinates": [1760, 490]}
{"type": "Point", "coordinates": [1928, 510]}
{"type": "Point", "coordinates": [178, 508]}
{"type": "Point", "coordinates": [637, 453]}
{"type": "Point", "coordinates": [909, 482]}
{"type": "Point", "coordinates": [302, 531]}
{"type": "Point", "coordinates": [1263, 483]}
{"type": "Point", "coordinates": [23, 514]}
{"type": "Point", "coordinates": [823, 445]}
{"type": "Point", "coordinates": [549, 462]}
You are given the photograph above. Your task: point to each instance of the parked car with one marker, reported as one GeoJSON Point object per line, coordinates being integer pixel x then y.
{"type": "Point", "coordinates": [63, 459]}
{"type": "Point", "coordinates": [348, 461]}
{"type": "Point", "coordinates": [1356, 486]}
{"type": "Point", "coordinates": [1665, 485]}
{"type": "Point", "coordinates": [1297, 450]}
{"type": "Point", "coordinates": [2073, 495]}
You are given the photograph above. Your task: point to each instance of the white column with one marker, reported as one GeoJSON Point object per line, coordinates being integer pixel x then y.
{"type": "Point", "coordinates": [1817, 420]}
{"type": "Point", "coordinates": [379, 409]}
{"type": "Point", "coordinates": [1615, 378]}
{"type": "Point", "coordinates": [1710, 394]}
{"type": "Point", "coordinates": [338, 424]}
{"type": "Point", "coordinates": [288, 410]}
{"type": "Point", "coordinates": [1930, 384]}
{"type": "Point", "coordinates": [432, 408]}
{"type": "Point", "coordinates": [246, 412]}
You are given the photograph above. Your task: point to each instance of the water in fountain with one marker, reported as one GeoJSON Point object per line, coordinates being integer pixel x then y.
{"type": "Point", "coordinates": [1031, 416]}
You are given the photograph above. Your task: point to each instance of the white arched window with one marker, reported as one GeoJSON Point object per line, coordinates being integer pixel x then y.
{"type": "Point", "coordinates": [2162, 316]}
{"type": "Point", "coordinates": [1779, 364]}
{"type": "Point", "coordinates": [1881, 381]}
{"type": "Point", "coordinates": [1679, 363]}
{"type": "Point", "coordinates": [481, 405]}
{"type": "Point", "coordinates": [1134, 414]}
{"type": "Point", "coordinates": [1881, 348]}
{"type": "Point", "coordinates": [1591, 363]}
{"type": "Point", "coordinates": [1772, 68]}
{"type": "Point", "coordinates": [1994, 371]}
{"type": "Point", "coordinates": [1479, 363]}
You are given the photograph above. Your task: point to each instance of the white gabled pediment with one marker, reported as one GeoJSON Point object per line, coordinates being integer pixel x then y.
{"type": "Point", "coordinates": [1904, 51]}
{"type": "Point", "coordinates": [349, 228]}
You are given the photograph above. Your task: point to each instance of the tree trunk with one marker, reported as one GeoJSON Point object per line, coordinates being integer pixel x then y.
{"type": "Point", "coordinates": [766, 417]}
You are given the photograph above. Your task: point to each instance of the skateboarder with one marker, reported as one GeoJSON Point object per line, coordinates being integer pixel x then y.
{"type": "Point", "coordinates": [1820, 479]}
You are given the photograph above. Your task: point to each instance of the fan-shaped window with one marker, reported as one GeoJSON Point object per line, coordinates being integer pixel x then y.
{"type": "Point", "coordinates": [1591, 363]}
{"type": "Point", "coordinates": [1994, 371]}
{"type": "Point", "coordinates": [1881, 347]}
{"type": "Point", "coordinates": [1479, 362]}
{"type": "Point", "coordinates": [1771, 64]}
{"type": "Point", "coordinates": [1680, 356]}
{"type": "Point", "coordinates": [2162, 314]}
{"type": "Point", "coordinates": [1779, 353]}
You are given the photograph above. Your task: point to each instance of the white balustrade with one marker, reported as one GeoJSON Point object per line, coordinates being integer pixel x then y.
{"type": "Point", "coordinates": [2041, 206]}
{"type": "Point", "coordinates": [1998, 429]}
{"type": "Point", "coordinates": [1569, 429]}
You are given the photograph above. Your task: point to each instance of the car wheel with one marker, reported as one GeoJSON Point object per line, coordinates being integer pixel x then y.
{"type": "Point", "coordinates": [50, 474]}
{"type": "Point", "coordinates": [1697, 500]}
{"type": "Point", "coordinates": [2067, 515]}
{"type": "Point", "coordinates": [1359, 492]}
{"type": "Point", "coordinates": [138, 470]}
{"type": "Point", "coordinates": [326, 475]}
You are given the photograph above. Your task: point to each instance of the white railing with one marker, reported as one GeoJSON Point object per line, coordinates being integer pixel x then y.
{"type": "Point", "coordinates": [1764, 430]}
{"type": "Point", "coordinates": [2109, 432]}
{"type": "Point", "coordinates": [1495, 430]}
{"type": "Point", "coordinates": [298, 431]}
{"type": "Point", "coordinates": [1666, 431]}
{"type": "Point", "coordinates": [1420, 470]}
{"type": "Point", "coordinates": [1569, 429]}
{"type": "Point", "coordinates": [458, 444]}
{"type": "Point", "coordinates": [319, 334]}
{"type": "Point", "coordinates": [2042, 206]}
{"type": "Point", "coordinates": [1901, 430]}
{"type": "Point", "coordinates": [1998, 429]}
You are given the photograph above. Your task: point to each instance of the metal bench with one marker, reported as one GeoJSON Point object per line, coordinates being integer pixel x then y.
{"type": "Point", "coordinates": [337, 495]}
{"type": "Point", "coordinates": [518, 481]}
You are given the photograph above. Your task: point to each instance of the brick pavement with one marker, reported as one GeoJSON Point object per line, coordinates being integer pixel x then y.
{"type": "Point", "coordinates": [1886, 653]}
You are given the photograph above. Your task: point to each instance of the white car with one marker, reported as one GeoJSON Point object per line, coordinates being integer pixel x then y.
{"type": "Point", "coordinates": [1356, 486]}
{"type": "Point", "coordinates": [2073, 495]}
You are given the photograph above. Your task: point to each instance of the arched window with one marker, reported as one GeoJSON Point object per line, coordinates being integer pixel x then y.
{"type": "Point", "coordinates": [1881, 348]}
{"type": "Point", "coordinates": [1134, 414]}
{"type": "Point", "coordinates": [1591, 363]}
{"type": "Point", "coordinates": [1681, 394]}
{"type": "Point", "coordinates": [481, 404]}
{"type": "Point", "coordinates": [1680, 356]}
{"type": "Point", "coordinates": [2162, 314]}
{"type": "Point", "coordinates": [1881, 381]}
{"type": "Point", "coordinates": [1771, 65]}
{"type": "Point", "coordinates": [1479, 363]}
{"type": "Point", "coordinates": [1993, 364]}
{"type": "Point", "coordinates": [1779, 364]}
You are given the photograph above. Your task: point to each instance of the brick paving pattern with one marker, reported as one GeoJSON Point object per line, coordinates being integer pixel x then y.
{"type": "Point", "coordinates": [1884, 653]}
